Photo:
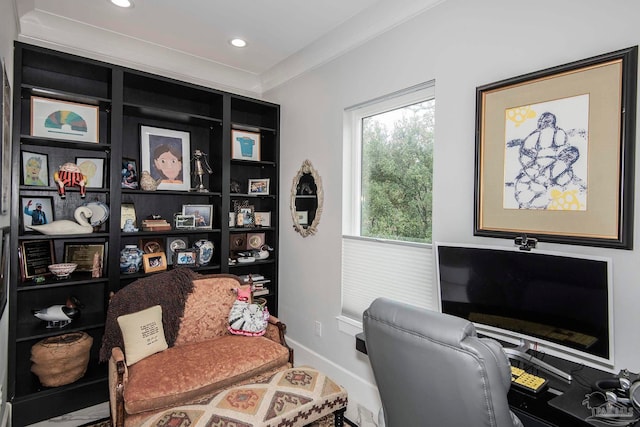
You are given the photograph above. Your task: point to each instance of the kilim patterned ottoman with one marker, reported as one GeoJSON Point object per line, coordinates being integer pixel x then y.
{"type": "Point", "coordinates": [291, 398]}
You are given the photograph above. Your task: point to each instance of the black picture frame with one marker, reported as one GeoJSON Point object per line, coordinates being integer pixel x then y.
{"type": "Point", "coordinates": [185, 257]}
{"type": "Point", "coordinates": [35, 258]}
{"type": "Point", "coordinates": [27, 215]}
{"type": "Point", "coordinates": [34, 161]}
{"type": "Point", "coordinates": [524, 194]}
{"type": "Point", "coordinates": [129, 174]}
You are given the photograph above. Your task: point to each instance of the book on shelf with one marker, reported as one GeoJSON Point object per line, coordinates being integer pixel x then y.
{"type": "Point", "coordinates": [255, 277]}
{"type": "Point", "coordinates": [159, 227]}
{"type": "Point", "coordinates": [260, 292]}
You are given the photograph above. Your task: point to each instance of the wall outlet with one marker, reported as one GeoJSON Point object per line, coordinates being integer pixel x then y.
{"type": "Point", "coordinates": [318, 330]}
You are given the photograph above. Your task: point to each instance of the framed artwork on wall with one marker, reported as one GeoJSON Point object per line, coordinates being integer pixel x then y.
{"type": "Point", "coordinates": [165, 155]}
{"type": "Point", "coordinates": [554, 153]}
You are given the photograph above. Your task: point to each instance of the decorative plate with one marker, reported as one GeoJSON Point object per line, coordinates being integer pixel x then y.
{"type": "Point", "coordinates": [177, 244]}
{"type": "Point", "coordinates": [100, 212]}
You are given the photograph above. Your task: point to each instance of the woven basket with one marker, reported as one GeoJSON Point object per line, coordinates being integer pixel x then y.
{"type": "Point", "coordinates": [62, 359]}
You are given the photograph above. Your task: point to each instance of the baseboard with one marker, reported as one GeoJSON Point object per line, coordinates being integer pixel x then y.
{"type": "Point", "coordinates": [363, 395]}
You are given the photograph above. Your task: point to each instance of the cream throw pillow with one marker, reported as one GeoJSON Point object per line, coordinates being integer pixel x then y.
{"type": "Point", "coordinates": [142, 333]}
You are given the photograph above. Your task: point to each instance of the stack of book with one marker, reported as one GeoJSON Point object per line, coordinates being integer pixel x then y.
{"type": "Point", "coordinates": [258, 283]}
{"type": "Point", "coordinates": [155, 225]}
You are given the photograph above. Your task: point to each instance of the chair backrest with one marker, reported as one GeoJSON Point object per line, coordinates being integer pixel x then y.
{"type": "Point", "coordinates": [432, 369]}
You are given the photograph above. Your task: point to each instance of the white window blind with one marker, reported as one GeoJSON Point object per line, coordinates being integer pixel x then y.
{"type": "Point", "coordinates": [374, 268]}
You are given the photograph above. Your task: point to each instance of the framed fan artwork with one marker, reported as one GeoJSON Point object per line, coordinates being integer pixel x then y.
{"type": "Point", "coordinates": [51, 118]}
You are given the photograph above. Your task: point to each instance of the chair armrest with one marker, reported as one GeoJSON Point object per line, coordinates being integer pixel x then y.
{"type": "Point", "coordinates": [275, 331]}
{"type": "Point", "coordinates": [118, 377]}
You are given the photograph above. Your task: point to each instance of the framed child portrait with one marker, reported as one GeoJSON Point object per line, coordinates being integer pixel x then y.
{"type": "Point", "coordinates": [165, 154]}
{"type": "Point", "coordinates": [35, 169]}
{"type": "Point", "coordinates": [155, 261]}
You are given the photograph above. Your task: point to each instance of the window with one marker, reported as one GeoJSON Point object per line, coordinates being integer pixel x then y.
{"type": "Point", "coordinates": [387, 202]}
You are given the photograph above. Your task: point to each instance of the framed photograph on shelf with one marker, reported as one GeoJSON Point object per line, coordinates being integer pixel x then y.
{"type": "Point", "coordinates": [129, 174]}
{"type": "Point", "coordinates": [151, 245]}
{"type": "Point", "coordinates": [165, 153]}
{"type": "Point", "coordinates": [84, 254]}
{"type": "Point", "coordinates": [152, 262]}
{"type": "Point", "coordinates": [244, 214]}
{"type": "Point", "coordinates": [128, 213]}
{"type": "Point", "coordinates": [173, 244]}
{"type": "Point", "coordinates": [35, 169]}
{"type": "Point", "coordinates": [36, 211]}
{"type": "Point", "coordinates": [93, 169]}
{"type": "Point", "coordinates": [184, 222]}
{"type": "Point", "coordinates": [554, 153]}
{"type": "Point", "coordinates": [35, 258]}
{"type": "Point", "coordinates": [185, 257]}
{"type": "Point", "coordinates": [258, 186]}
{"type": "Point", "coordinates": [245, 145]}
{"type": "Point", "coordinates": [71, 121]}
{"type": "Point", "coordinates": [203, 215]}
{"type": "Point", "coordinates": [262, 219]}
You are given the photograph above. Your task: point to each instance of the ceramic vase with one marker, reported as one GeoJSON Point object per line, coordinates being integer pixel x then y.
{"type": "Point", "coordinates": [205, 251]}
{"type": "Point", "coordinates": [130, 259]}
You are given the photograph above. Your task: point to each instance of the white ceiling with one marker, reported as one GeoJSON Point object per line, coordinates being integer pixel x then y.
{"type": "Point", "coordinates": [189, 39]}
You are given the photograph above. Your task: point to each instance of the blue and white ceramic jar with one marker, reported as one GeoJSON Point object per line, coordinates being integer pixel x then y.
{"type": "Point", "coordinates": [130, 259]}
{"type": "Point", "coordinates": [205, 251]}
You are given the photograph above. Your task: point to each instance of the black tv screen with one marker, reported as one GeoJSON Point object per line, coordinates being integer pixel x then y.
{"type": "Point", "coordinates": [559, 301]}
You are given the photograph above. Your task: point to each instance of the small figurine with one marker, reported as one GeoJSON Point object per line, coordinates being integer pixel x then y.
{"type": "Point", "coordinates": [60, 315]}
{"type": "Point", "coordinates": [70, 175]}
{"type": "Point", "coordinates": [96, 270]}
{"type": "Point", "coordinates": [147, 183]}
{"type": "Point", "coordinates": [129, 227]}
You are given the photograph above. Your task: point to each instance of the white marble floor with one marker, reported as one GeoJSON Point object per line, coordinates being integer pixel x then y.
{"type": "Point", "coordinates": [74, 419]}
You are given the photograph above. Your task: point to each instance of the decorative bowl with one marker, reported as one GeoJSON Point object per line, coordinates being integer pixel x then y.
{"type": "Point", "coordinates": [63, 270]}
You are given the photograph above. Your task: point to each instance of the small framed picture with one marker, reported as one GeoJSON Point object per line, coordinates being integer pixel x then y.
{"type": "Point", "coordinates": [35, 258]}
{"type": "Point", "coordinates": [93, 169]}
{"type": "Point", "coordinates": [173, 244]}
{"type": "Point", "coordinates": [129, 174]}
{"type": "Point", "coordinates": [51, 118]}
{"type": "Point", "coordinates": [36, 211]}
{"type": "Point", "coordinates": [203, 215]}
{"type": "Point", "coordinates": [185, 257]}
{"type": "Point", "coordinates": [245, 215]}
{"type": "Point", "coordinates": [165, 154]}
{"type": "Point", "coordinates": [259, 186]}
{"type": "Point", "coordinates": [152, 262]}
{"type": "Point", "coordinates": [245, 145]}
{"type": "Point", "coordinates": [303, 217]}
{"type": "Point", "coordinates": [84, 254]}
{"type": "Point", "coordinates": [151, 245]}
{"type": "Point", "coordinates": [262, 219]}
{"type": "Point", "coordinates": [35, 169]}
{"type": "Point", "coordinates": [184, 222]}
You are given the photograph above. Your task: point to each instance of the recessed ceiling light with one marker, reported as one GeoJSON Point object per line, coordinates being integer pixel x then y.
{"type": "Point", "coordinates": [122, 3]}
{"type": "Point", "coordinates": [238, 42]}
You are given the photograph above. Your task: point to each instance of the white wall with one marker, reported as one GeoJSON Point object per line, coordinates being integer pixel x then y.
{"type": "Point", "coordinates": [8, 32]}
{"type": "Point", "coordinates": [461, 44]}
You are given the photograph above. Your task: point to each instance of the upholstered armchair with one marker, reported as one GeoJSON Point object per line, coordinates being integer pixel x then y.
{"type": "Point", "coordinates": [432, 369]}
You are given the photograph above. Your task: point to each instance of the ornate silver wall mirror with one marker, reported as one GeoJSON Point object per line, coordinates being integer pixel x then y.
{"type": "Point", "coordinates": [306, 200]}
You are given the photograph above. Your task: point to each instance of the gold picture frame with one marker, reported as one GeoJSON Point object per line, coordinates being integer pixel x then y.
{"type": "Point", "coordinates": [534, 174]}
{"type": "Point", "coordinates": [152, 262]}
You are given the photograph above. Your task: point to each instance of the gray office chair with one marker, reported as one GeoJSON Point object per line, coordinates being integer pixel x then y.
{"type": "Point", "coordinates": [432, 370]}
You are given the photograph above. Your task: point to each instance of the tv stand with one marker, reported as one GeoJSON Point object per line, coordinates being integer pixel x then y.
{"type": "Point", "coordinates": [520, 353]}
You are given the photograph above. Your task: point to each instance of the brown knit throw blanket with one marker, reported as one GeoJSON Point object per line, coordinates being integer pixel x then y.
{"type": "Point", "coordinates": [168, 289]}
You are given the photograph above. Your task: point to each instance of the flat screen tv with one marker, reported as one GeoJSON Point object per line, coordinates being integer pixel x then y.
{"type": "Point", "coordinates": [556, 303]}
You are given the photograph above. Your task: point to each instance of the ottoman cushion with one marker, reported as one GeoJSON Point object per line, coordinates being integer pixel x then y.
{"type": "Point", "coordinates": [293, 397]}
